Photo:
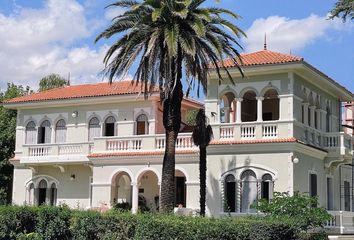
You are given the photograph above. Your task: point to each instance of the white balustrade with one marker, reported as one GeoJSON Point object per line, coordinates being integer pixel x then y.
{"type": "Point", "coordinates": [39, 151]}
{"type": "Point", "coordinates": [227, 132]}
{"type": "Point", "coordinates": [184, 141]}
{"type": "Point", "coordinates": [70, 149]}
{"type": "Point", "coordinates": [160, 143]}
{"type": "Point", "coordinates": [331, 141]}
{"type": "Point", "coordinates": [270, 131]}
{"type": "Point", "coordinates": [248, 132]}
{"type": "Point", "coordinates": [123, 144]}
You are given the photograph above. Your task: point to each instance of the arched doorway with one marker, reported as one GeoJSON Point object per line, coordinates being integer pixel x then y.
{"type": "Point", "coordinates": [230, 193]}
{"type": "Point", "coordinates": [42, 192]}
{"type": "Point", "coordinates": [142, 125]}
{"type": "Point", "coordinates": [53, 194]}
{"type": "Point", "coordinates": [121, 191]}
{"type": "Point", "coordinates": [228, 108]}
{"type": "Point", "coordinates": [109, 126]}
{"type": "Point", "coordinates": [181, 190]}
{"type": "Point", "coordinates": [249, 107]}
{"type": "Point", "coordinates": [44, 132]}
{"type": "Point", "coordinates": [270, 105]}
{"type": "Point", "coordinates": [149, 190]}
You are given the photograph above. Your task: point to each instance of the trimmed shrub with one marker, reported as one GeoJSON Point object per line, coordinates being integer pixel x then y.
{"type": "Point", "coordinates": [17, 220]}
{"type": "Point", "coordinates": [42, 223]}
{"type": "Point", "coordinates": [53, 223]}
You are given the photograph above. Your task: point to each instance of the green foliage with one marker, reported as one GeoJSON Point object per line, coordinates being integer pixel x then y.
{"type": "Point", "coordinates": [343, 9]}
{"type": "Point", "coordinates": [191, 117]}
{"type": "Point", "coordinates": [7, 140]}
{"type": "Point", "coordinates": [53, 222]}
{"type": "Point", "coordinates": [61, 223]}
{"type": "Point", "coordinates": [52, 81]}
{"type": "Point", "coordinates": [300, 209]}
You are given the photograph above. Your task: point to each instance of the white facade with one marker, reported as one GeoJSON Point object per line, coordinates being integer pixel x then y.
{"type": "Point", "coordinates": [277, 129]}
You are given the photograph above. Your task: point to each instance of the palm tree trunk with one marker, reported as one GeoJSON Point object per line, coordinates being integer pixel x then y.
{"type": "Point", "coordinates": [172, 124]}
{"type": "Point", "coordinates": [202, 178]}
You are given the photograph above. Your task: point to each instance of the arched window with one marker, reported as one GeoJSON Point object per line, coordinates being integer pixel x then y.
{"type": "Point", "coordinates": [53, 194]}
{"type": "Point", "coordinates": [60, 131]}
{"type": "Point", "coordinates": [228, 108]}
{"type": "Point", "coordinates": [249, 107]}
{"type": "Point", "coordinates": [248, 190]}
{"type": "Point", "coordinates": [109, 126]}
{"type": "Point", "coordinates": [42, 192]}
{"type": "Point", "coordinates": [94, 128]}
{"type": "Point", "coordinates": [31, 133]}
{"type": "Point", "coordinates": [44, 132]}
{"type": "Point", "coordinates": [270, 105]}
{"type": "Point", "coordinates": [31, 194]}
{"type": "Point", "coordinates": [328, 119]}
{"type": "Point", "coordinates": [142, 125]}
{"type": "Point", "coordinates": [230, 193]}
{"type": "Point", "coordinates": [267, 186]}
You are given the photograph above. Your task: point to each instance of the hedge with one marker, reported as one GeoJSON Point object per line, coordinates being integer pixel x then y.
{"type": "Point", "coordinates": [62, 223]}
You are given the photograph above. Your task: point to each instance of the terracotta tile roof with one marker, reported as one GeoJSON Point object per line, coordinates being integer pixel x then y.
{"type": "Point", "coordinates": [263, 57]}
{"type": "Point", "coordinates": [84, 90]}
{"type": "Point", "coordinates": [140, 153]}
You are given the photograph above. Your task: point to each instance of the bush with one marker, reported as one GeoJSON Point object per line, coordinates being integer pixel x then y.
{"type": "Point", "coordinates": [45, 222]}
{"type": "Point", "coordinates": [17, 220]}
{"type": "Point", "coordinates": [300, 209]}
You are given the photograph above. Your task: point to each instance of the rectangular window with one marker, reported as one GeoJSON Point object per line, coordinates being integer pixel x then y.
{"type": "Point", "coordinates": [346, 196]}
{"type": "Point", "coordinates": [329, 193]}
{"type": "Point", "coordinates": [313, 185]}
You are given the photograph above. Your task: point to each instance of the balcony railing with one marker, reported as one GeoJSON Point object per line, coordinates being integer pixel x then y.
{"type": "Point", "coordinates": [42, 150]}
{"type": "Point", "coordinates": [342, 222]}
{"type": "Point", "coordinates": [251, 130]}
{"type": "Point", "coordinates": [140, 143]}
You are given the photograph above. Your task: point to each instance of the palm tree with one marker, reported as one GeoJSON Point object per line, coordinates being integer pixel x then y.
{"type": "Point", "coordinates": [202, 135]}
{"type": "Point", "coordinates": [166, 37]}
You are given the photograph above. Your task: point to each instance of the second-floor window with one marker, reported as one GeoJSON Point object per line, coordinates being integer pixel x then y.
{"type": "Point", "coordinates": [94, 128]}
{"type": "Point", "coordinates": [60, 131]}
{"type": "Point", "coordinates": [270, 105]}
{"type": "Point", "coordinates": [142, 125]}
{"type": "Point", "coordinates": [44, 132]}
{"type": "Point", "coordinates": [109, 126]}
{"type": "Point", "coordinates": [31, 133]}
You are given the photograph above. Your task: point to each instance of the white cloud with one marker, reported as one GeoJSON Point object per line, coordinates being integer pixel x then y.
{"type": "Point", "coordinates": [285, 34]}
{"type": "Point", "coordinates": [37, 42]}
{"type": "Point", "coordinates": [113, 12]}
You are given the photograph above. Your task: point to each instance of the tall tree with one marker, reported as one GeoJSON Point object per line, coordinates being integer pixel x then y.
{"type": "Point", "coordinates": [52, 81]}
{"type": "Point", "coordinates": [343, 9]}
{"type": "Point", "coordinates": [202, 135]}
{"type": "Point", "coordinates": [7, 140]}
{"type": "Point", "coordinates": [165, 38]}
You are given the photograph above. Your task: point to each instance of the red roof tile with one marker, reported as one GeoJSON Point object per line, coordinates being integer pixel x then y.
{"type": "Point", "coordinates": [84, 90]}
{"type": "Point", "coordinates": [263, 57]}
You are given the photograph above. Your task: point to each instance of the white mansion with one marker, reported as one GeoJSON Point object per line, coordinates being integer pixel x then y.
{"type": "Point", "coordinates": [276, 129]}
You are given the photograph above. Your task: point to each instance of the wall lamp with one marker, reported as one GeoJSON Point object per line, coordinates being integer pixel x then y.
{"type": "Point", "coordinates": [75, 114]}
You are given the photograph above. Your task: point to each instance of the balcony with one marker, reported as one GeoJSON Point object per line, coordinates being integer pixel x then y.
{"type": "Point", "coordinates": [140, 143]}
{"type": "Point", "coordinates": [251, 130]}
{"type": "Point", "coordinates": [56, 153]}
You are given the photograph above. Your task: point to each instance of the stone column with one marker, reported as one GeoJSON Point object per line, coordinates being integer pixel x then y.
{"type": "Point", "coordinates": [312, 112]}
{"type": "Point", "coordinates": [238, 109]}
{"type": "Point", "coordinates": [52, 134]}
{"type": "Point", "coordinates": [306, 106]}
{"type": "Point", "coordinates": [238, 196]}
{"type": "Point", "coordinates": [259, 109]}
{"type": "Point", "coordinates": [135, 197]}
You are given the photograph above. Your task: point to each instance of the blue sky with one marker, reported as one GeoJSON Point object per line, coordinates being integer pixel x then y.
{"type": "Point", "coordinates": [43, 36]}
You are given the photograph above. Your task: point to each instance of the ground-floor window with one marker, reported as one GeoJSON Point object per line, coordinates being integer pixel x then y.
{"type": "Point", "coordinates": [241, 194]}
{"type": "Point", "coordinates": [42, 191]}
{"type": "Point", "coordinates": [329, 193]}
{"type": "Point", "coordinates": [346, 196]}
